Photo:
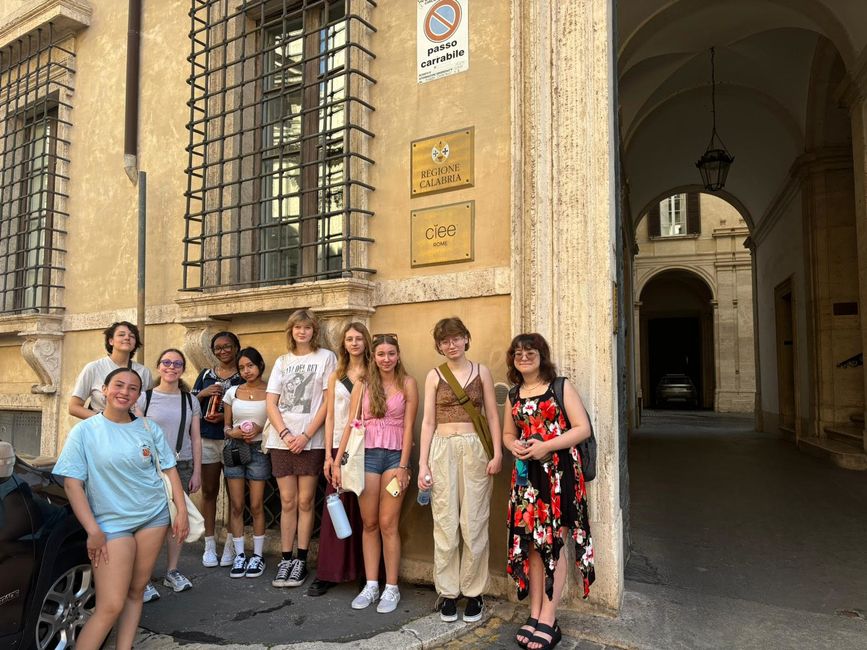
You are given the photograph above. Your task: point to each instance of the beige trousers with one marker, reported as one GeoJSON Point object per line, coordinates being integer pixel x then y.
{"type": "Point", "coordinates": [461, 507]}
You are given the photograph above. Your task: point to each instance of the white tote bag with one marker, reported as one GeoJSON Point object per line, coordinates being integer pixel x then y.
{"type": "Point", "coordinates": [195, 518]}
{"type": "Point", "coordinates": [352, 463]}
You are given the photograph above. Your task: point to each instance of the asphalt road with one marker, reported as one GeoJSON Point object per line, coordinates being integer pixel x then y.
{"type": "Point", "coordinates": [220, 610]}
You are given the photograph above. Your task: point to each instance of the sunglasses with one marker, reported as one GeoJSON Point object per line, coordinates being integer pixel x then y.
{"type": "Point", "coordinates": [224, 348]}
{"type": "Point", "coordinates": [168, 363]}
{"type": "Point", "coordinates": [379, 338]}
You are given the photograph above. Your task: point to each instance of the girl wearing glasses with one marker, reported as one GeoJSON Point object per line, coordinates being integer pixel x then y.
{"type": "Point", "coordinates": [389, 401]}
{"type": "Point", "coordinates": [454, 466]}
{"type": "Point", "coordinates": [548, 501]}
{"type": "Point", "coordinates": [296, 409]}
{"type": "Point", "coordinates": [209, 388]}
{"type": "Point", "coordinates": [165, 404]}
{"type": "Point", "coordinates": [340, 560]}
{"type": "Point", "coordinates": [122, 339]}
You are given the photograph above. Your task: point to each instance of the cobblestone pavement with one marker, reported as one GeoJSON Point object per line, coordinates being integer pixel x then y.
{"type": "Point", "coordinates": [498, 631]}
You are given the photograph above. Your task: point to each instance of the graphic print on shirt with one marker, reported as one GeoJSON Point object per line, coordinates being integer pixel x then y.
{"type": "Point", "coordinates": [298, 387]}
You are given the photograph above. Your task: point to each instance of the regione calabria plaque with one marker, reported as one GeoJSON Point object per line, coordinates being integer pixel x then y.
{"type": "Point", "coordinates": [442, 38]}
{"type": "Point", "coordinates": [442, 162]}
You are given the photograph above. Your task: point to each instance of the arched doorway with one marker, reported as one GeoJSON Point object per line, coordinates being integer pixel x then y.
{"type": "Point", "coordinates": [677, 335]}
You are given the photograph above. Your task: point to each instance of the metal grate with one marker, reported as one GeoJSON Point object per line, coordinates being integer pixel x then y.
{"type": "Point", "coordinates": [272, 506]}
{"type": "Point", "coordinates": [35, 84]}
{"type": "Point", "coordinates": [23, 430]}
{"type": "Point", "coordinates": [277, 139]}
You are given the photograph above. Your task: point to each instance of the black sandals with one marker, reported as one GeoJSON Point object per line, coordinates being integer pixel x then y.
{"type": "Point", "coordinates": [526, 634]}
{"type": "Point", "coordinates": [553, 632]}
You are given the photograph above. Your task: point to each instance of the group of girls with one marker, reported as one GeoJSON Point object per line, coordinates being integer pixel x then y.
{"type": "Point", "coordinates": [297, 427]}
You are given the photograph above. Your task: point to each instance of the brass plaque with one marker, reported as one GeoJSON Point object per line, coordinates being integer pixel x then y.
{"type": "Point", "coordinates": [443, 235]}
{"type": "Point", "coordinates": [442, 162]}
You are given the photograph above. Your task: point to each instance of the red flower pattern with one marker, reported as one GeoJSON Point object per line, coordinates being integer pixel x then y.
{"type": "Point", "coordinates": [536, 511]}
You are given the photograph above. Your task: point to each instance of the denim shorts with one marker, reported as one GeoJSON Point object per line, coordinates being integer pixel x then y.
{"type": "Point", "coordinates": [378, 460]}
{"type": "Point", "coordinates": [258, 469]}
{"type": "Point", "coordinates": [161, 520]}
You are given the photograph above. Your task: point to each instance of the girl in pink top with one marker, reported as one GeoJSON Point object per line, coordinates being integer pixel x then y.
{"type": "Point", "coordinates": [389, 401]}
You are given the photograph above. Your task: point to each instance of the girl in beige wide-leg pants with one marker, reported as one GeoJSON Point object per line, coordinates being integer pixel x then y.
{"type": "Point", "coordinates": [453, 465]}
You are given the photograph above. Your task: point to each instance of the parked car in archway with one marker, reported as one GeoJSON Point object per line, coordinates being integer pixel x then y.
{"type": "Point", "coordinates": [676, 389]}
{"type": "Point", "coordinates": [46, 580]}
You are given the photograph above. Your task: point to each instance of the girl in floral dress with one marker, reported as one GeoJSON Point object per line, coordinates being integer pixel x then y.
{"type": "Point", "coordinates": [548, 501]}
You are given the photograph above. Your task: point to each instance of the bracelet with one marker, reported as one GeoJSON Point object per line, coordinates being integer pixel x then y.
{"type": "Point", "coordinates": [304, 433]}
{"type": "Point", "coordinates": [405, 467]}
{"type": "Point", "coordinates": [226, 429]}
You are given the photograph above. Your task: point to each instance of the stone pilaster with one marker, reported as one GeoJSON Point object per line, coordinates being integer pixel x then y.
{"type": "Point", "coordinates": [858, 116]}
{"type": "Point", "coordinates": [564, 153]}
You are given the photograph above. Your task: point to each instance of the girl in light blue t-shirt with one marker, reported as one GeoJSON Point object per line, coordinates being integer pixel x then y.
{"type": "Point", "coordinates": [114, 489]}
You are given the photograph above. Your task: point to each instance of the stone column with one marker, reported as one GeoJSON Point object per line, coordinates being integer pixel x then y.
{"type": "Point", "coordinates": [858, 115]}
{"type": "Point", "coordinates": [564, 229]}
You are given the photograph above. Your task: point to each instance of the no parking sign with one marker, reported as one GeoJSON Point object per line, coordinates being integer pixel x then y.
{"type": "Point", "coordinates": [442, 40]}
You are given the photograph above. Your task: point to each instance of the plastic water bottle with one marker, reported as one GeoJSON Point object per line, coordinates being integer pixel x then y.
{"type": "Point", "coordinates": [338, 516]}
{"type": "Point", "coordinates": [521, 473]}
{"type": "Point", "coordinates": [424, 495]}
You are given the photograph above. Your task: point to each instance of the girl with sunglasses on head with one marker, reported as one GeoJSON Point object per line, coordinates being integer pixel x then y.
{"type": "Point", "coordinates": [340, 560]}
{"type": "Point", "coordinates": [113, 486]}
{"type": "Point", "coordinates": [548, 500]}
{"type": "Point", "coordinates": [296, 410]}
{"type": "Point", "coordinates": [209, 388]}
{"type": "Point", "coordinates": [122, 340]}
{"type": "Point", "coordinates": [246, 414]}
{"type": "Point", "coordinates": [388, 401]}
{"type": "Point", "coordinates": [455, 467]}
{"type": "Point", "coordinates": [169, 405]}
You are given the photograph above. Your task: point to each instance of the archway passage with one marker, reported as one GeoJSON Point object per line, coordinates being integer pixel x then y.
{"type": "Point", "coordinates": [677, 334]}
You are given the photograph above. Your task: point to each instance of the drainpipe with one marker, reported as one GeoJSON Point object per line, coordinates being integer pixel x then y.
{"type": "Point", "coordinates": [142, 232]}
{"type": "Point", "coordinates": [130, 137]}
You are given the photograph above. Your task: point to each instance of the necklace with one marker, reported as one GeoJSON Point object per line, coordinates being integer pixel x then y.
{"type": "Point", "coordinates": [530, 389]}
{"type": "Point", "coordinates": [251, 391]}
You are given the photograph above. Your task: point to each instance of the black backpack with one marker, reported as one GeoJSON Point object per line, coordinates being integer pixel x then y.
{"type": "Point", "coordinates": [587, 447]}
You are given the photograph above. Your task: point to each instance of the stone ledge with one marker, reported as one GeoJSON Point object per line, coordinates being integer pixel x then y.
{"type": "Point", "coordinates": [31, 324]}
{"type": "Point", "coordinates": [67, 15]}
{"type": "Point", "coordinates": [494, 281]}
{"type": "Point", "coordinates": [334, 297]}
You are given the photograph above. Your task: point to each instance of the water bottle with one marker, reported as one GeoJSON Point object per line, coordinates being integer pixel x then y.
{"type": "Point", "coordinates": [521, 473]}
{"type": "Point", "coordinates": [338, 516]}
{"type": "Point", "coordinates": [424, 495]}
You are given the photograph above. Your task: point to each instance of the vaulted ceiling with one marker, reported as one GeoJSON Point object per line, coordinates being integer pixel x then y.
{"type": "Point", "coordinates": [782, 69]}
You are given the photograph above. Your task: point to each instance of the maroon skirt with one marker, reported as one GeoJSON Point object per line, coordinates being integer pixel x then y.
{"type": "Point", "coordinates": [340, 560]}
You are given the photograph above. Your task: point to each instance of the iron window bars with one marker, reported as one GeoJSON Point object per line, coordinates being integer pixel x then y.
{"type": "Point", "coordinates": [35, 85]}
{"type": "Point", "coordinates": [275, 190]}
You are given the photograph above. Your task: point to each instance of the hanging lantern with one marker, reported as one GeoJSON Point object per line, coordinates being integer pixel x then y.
{"type": "Point", "coordinates": [716, 160]}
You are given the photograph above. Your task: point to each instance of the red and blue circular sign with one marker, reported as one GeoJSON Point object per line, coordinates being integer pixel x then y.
{"type": "Point", "coordinates": [442, 21]}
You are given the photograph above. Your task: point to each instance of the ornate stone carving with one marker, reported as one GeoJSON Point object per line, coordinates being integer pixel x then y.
{"type": "Point", "coordinates": [42, 353]}
{"type": "Point", "coordinates": [197, 343]}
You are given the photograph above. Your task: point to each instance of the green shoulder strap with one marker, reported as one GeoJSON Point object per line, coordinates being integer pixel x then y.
{"type": "Point", "coordinates": [479, 420]}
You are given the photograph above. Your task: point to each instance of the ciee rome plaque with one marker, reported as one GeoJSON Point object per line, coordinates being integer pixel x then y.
{"type": "Point", "coordinates": [442, 162]}
{"type": "Point", "coordinates": [443, 235]}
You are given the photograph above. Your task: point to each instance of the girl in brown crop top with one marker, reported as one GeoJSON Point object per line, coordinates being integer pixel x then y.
{"type": "Point", "coordinates": [453, 465]}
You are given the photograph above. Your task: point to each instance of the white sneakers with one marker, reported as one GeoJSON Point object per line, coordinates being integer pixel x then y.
{"type": "Point", "coordinates": [228, 558]}
{"type": "Point", "coordinates": [369, 595]}
{"type": "Point", "coordinates": [389, 600]}
{"type": "Point", "coordinates": [209, 557]}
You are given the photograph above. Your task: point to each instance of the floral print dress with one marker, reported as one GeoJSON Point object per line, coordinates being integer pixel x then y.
{"type": "Point", "coordinates": [554, 497]}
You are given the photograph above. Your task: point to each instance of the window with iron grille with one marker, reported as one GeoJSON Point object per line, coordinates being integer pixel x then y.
{"type": "Point", "coordinates": [276, 191]}
{"type": "Point", "coordinates": [35, 86]}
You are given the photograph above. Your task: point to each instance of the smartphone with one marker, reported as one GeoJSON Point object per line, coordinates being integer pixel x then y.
{"type": "Point", "coordinates": [393, 487]}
